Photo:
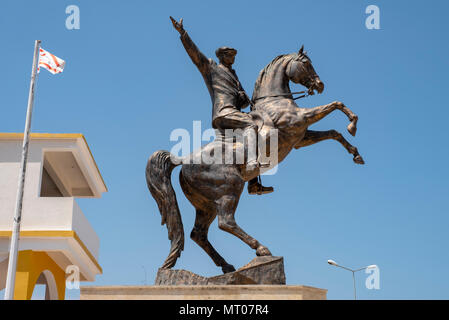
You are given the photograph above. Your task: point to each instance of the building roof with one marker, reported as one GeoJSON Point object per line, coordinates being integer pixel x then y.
{"type": "Point", "coordinates": [57, 136]}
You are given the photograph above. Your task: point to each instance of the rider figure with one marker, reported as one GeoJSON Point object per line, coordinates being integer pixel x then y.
{"type": "Point", "coordinates": [228, 97]}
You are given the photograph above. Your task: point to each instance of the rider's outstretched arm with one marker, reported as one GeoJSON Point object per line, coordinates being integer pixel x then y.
{"type": "Point", "coordinates": [198, 58]}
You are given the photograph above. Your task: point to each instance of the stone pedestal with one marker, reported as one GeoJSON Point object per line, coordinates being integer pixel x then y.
{"type": "Point", "coordinates": [261, 279]}
{"type": "Point", "coordinates": [201, 292]}
{"type": "Point", "coordinates": [261, 270]}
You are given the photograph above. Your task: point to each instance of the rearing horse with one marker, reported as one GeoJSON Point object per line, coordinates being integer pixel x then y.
{"type": "Point", "coordinates": [214, 189]}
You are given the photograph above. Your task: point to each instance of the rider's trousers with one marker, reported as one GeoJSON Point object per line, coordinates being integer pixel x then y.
{"type": "Point", "coordinates": [241, 120]}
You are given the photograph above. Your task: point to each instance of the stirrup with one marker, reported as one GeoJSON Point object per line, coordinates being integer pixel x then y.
{"type": "Point", "coordinates": [264, 165]}
{"type": "Point", "coordinates": [252, 165]}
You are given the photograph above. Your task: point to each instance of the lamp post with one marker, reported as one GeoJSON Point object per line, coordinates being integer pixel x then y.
{"type": "Point", "coordinates": [333, 263]}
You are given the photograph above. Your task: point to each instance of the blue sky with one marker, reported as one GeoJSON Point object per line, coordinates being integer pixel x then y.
{"type": "Point", "coordinates": [128, 83]}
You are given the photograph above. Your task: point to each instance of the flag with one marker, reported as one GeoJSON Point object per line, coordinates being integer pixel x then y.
{"type": "Point", "coordinates": [50, 62]}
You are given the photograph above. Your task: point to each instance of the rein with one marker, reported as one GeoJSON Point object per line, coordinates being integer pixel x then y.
{"type": "Point", "coordinates": [285, 94]}
{"type": "Point", "coordinates": [253, 102]}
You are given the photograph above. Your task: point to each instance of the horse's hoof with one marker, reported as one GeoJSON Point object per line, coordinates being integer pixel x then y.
{"type": "Point", "coordinates": [228, 268]}
{"type": "Point", "coordinates": [358, 159]}
{"type": "Point", "coordinates": [263, 251]}
{"type": "Point", "coordinates": [352, 128]}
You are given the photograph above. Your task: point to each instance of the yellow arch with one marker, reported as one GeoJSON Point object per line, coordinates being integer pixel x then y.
{"type": "Point", "coordinates": [29, 267]}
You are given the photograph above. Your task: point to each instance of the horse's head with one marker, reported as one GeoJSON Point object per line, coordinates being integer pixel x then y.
{"type": "Point", "coordinates": [300, 70]}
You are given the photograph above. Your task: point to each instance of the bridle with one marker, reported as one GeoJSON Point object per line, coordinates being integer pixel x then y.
{"type": "Point", "coordinates": [304, 93]}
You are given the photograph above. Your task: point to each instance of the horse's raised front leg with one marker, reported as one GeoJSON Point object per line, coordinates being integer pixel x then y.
{"type": "Point", "coordinates": [226, 207]}
{"type": "Point", "coordinates": [313, 115]}
{"type": "Point", "coordinates": [312, 137]}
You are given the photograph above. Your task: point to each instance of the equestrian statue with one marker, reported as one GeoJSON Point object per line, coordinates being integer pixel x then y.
{"type": "Point", "coordinates": [214, 187]}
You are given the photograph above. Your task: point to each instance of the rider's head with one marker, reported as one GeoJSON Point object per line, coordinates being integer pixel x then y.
{"type": "Point", "coordinates": [226, 55]}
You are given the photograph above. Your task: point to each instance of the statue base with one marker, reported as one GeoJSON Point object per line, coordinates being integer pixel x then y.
{"type": "Point", "coordinates": [207, 292]}
{"type": "Point", "coordinates": [261, 270]}
{"type": "Point", "coordinates": [261, 279]}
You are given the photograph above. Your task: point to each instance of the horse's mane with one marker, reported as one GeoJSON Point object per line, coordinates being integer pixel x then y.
{"type": "Point", "coordinates": [268, 68]}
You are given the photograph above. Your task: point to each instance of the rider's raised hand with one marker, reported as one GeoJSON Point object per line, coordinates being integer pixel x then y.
{"type": "Point", "coordinates": [177, 25]}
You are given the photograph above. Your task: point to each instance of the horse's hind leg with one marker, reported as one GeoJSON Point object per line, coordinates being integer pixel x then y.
{"type": "Point", "coordinates": [199, 235]}
{"type": "Point", "coordinates": [226, 207]}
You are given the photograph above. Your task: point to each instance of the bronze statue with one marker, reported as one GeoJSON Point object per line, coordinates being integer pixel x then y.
{"type": "Point", "coordinates": [228, 98]}
{"type": "Point", "coordinates": [214, 189]}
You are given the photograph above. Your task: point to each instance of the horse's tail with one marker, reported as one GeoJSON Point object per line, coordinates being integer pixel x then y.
{"type": "Point", "coordinates": [158, 175]}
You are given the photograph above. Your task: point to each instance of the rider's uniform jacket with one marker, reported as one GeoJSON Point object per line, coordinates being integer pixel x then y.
{"type": "Point", "coordinates": [222, 82]}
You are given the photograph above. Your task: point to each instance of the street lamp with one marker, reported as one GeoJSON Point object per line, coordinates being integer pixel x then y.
{"type": "Point", "coordinates": [333, 263]}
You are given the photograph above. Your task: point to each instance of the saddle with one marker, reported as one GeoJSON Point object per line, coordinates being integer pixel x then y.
{"type": "Point", "coordinates": [260, 118]}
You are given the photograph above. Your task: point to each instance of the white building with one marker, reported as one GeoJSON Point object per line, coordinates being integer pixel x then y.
{"type": "Point", "coordinates": [54, 232]}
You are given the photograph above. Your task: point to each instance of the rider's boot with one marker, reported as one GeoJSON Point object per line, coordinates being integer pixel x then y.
{"type": "Point", "coordinates": [255, 187]}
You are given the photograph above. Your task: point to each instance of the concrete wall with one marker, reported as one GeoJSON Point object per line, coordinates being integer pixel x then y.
{"type": "Point", "coordinates": [42, 213]}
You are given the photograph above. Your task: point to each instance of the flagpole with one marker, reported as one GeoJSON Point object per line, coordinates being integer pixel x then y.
{"type": "Point", "coordinates": [12, 263]}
